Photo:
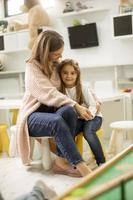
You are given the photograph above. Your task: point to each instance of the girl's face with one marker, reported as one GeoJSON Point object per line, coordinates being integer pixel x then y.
{"type": "Point", "coordinates": [69, 76]}
{"type": "Point", "coordinates": [56, 55]}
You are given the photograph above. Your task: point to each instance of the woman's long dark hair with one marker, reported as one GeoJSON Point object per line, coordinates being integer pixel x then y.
{"type": "Point", "coordinates": [79, 94]}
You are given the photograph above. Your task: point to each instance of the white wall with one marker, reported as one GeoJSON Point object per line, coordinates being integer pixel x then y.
{"type": "Point", "coordinates": [109, 51]}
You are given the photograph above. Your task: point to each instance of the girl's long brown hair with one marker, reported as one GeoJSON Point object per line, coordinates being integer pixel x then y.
{"type": "Point", "coordinates": [79, 93]}
{"type": "Point", "coordinates": [47, 42]}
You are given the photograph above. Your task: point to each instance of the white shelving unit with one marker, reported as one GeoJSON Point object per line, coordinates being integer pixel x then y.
{"type": "Point", "coordinates": [11, 72]}
{"type": "Point", "coordinates": [120, 75]}
{"type": "Point", "coordinates": [13, 51]}
{"type": "Point", "coordinates": [125, 82]}
{"type": "Point", "coordinates": [19, 76]}
{"type": "Point", "coordinates": [13, 44]}
{"type": "Point", "coordinates": [89, 10]}
{"type": "Point", "coordinates": [124, 77]}
{"type": "Point", "coordinates": [14, 41]}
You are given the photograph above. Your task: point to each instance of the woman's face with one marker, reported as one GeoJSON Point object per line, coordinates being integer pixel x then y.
{"type": "Point", "coordinates": [56, 55]}
{"type": "Point", "coordinates": [69, 76]}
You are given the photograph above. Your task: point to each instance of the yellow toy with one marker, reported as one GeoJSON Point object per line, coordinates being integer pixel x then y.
{"type": "Point", "coordinates": [4, 139]}
{"type": "Point", "coordinates": [37, 17]}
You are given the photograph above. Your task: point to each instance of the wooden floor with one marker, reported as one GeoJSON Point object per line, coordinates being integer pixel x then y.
{"type": "Point", "coordinates": [16, 179]}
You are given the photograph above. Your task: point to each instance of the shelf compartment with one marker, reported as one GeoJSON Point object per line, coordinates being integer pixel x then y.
{"type": "Point", "coordinates": [125, 81]}
{"type": "Point", "coordinates": [89, 10]}
{"type": "Point", "coordinates": [11, 72]}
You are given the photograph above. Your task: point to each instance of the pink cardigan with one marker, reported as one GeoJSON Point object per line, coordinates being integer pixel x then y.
{"type": "Point", "coordinates": [39, 90]}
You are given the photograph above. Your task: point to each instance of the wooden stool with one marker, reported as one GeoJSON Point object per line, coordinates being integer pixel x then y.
{"type": "Point", "coordinates": [79, 141]}
{"type": "Point", "coordinates": [13, 138]}
{"type": "Point", "coordinates": [4, 139]}
{"type": "Point", "coordinates": [116, 143]}
{"type": "Point", "coordinates": [45, 151]}
{"type": "Point", "coordinates": [14, 115]}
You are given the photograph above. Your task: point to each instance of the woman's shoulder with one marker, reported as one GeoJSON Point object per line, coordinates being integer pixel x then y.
{"type": "Point", "coordinates": [33, 66]}
{"type": "Point", "coordinates": [32, 62]}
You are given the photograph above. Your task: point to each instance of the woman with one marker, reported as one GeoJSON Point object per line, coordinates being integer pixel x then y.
{"type": "Point", "coordinates": [47, 112]}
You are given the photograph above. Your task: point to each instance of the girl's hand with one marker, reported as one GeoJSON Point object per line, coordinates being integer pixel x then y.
{"type": "Point", "coordinates": [83, 112]}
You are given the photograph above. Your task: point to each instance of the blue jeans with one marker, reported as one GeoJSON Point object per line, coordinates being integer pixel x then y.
{"type": "Point", "coordinates": [89, 129]}
{"type": "Point", "coordinates": [58, 123]}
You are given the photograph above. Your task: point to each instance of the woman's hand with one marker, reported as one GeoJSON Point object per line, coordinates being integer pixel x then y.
{"type": "Point", "coordinates": [83, 112]}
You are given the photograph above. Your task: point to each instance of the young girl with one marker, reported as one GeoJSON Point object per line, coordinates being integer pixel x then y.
{"type": "Point", "coordinates": [71, 86]}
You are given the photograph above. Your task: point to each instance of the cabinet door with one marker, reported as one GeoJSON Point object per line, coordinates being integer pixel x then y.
{"type": "Point", "coordinates": [1, 42]}
{"type": "Point", "coordinates": [112, 111]}
{"type": "Point", "coordinates": [23, 39]}
{"type": "Point", "coordinates": [10, 42]}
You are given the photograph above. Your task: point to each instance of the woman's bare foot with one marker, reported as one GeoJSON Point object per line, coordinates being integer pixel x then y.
{"type": "Point", "coordinates": [81, 167]}
{"type": "Point", "coordinates": [61, 166]}
{"type": "Point", "coordinates": [62, 162]}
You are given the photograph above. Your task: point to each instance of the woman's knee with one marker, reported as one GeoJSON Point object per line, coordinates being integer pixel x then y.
{"type": "Point", "coordinates": [67, 111]}
{"type": "Point", "coordinates": [58, 122]}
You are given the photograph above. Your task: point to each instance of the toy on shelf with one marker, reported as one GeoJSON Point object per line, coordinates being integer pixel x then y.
{"type": "Point", "coordinates": [125, 6]}
{"type": "Point", "coordinates": [68, 7]}
{"type": "Point", "coordinates": [80, 6]}
{"type": "Point", "coordinates": [128, 90]}
{"type": "Point", "coordinates": [76, 22]}
{"type": "Point", "coordinates": [3, 26]}
{"type": "Point", "coordinates": [37, 17]}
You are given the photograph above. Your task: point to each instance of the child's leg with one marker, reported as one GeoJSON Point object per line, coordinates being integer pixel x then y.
{"type": "Point", "coordinates": [89, 131]}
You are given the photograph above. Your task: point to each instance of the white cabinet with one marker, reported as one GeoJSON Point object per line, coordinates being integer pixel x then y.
{"type": "Point", "coordinates": [109, 81]}
{"type": "Point", "coordinates": [14, 41]}
{"type": "Point", "coordinates": [14, 47]}
{"type": "Point", "coordinates": [12, 84]}
{"type": "Point", "coordinates": [112, 111]}
{"type": "Point", "coordinates": [121, 76]}
{"type": "Point", "coordinates": [124, 76]}
{"type": "Point", "coordinates": [10, 42]}
{"type": "Point", "coordinates": [23, 40]}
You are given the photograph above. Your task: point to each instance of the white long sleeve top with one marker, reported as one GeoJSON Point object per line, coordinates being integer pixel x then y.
{"type": "Point", "coordinates": [90, 98]}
